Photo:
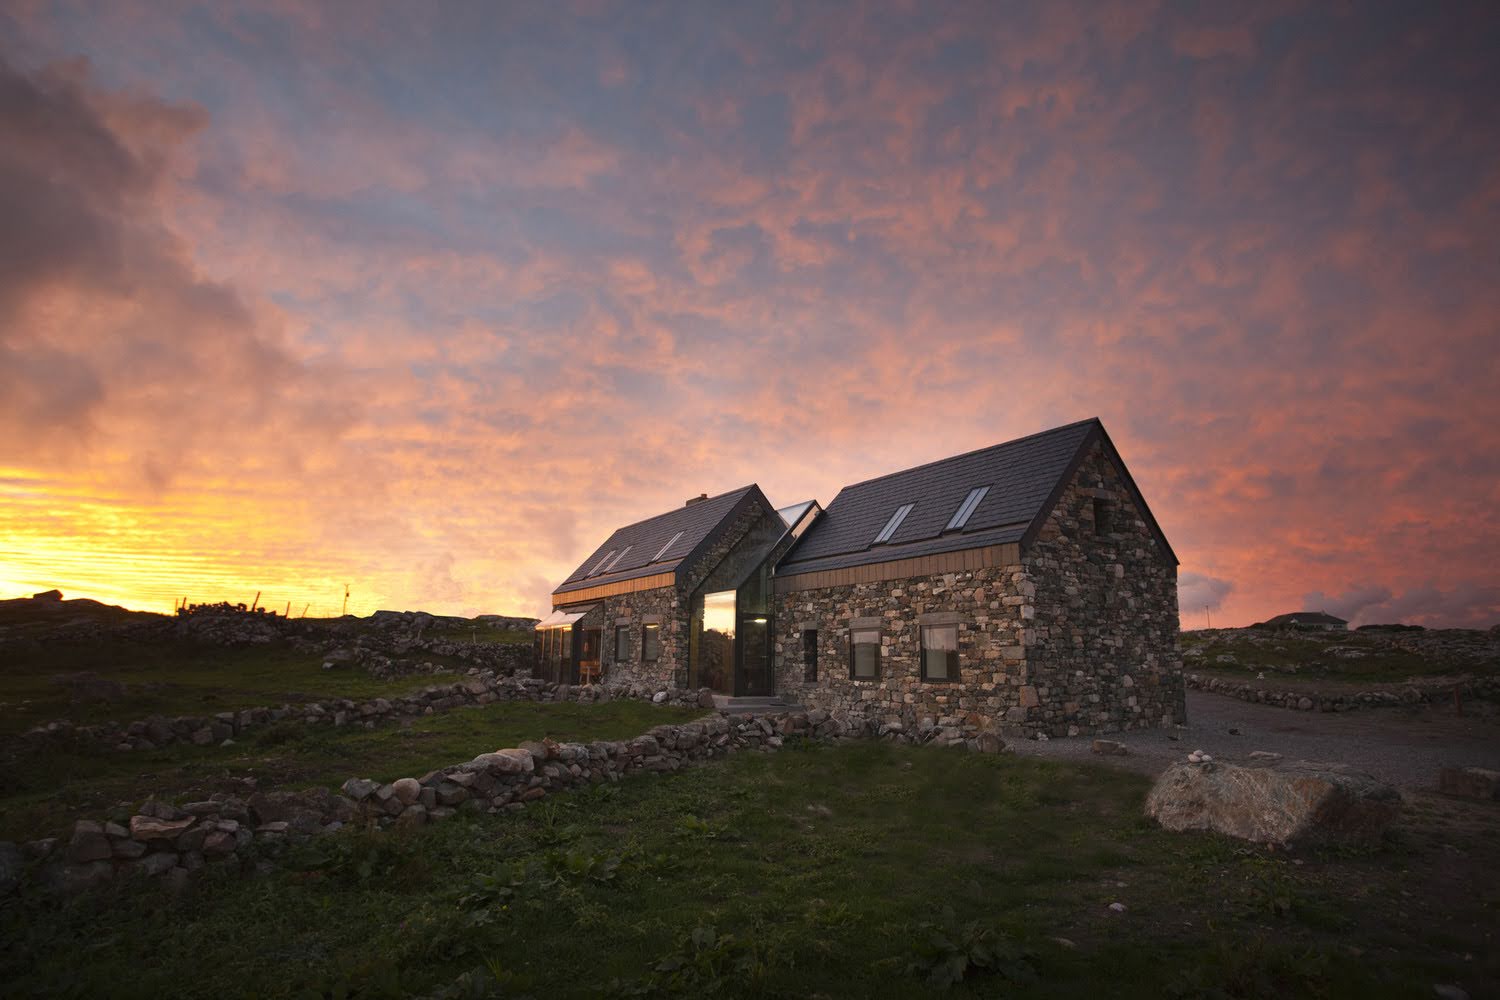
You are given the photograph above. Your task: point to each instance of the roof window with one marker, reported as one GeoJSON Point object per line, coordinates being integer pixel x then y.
{"type": "Point", "coordinates": [600, 564]}
{"type": "Point", "coordinates": [893, 524]}
{"type": "Point", "coordinates": [664, 548]}
{"type": "Point", "coordinates": [615, 561]}
{"type": "Point", "coordinates": [967, 508]}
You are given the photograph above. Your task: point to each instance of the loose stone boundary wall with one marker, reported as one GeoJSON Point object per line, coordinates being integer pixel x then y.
{"type": "Point", "coordinates": [174, 841]}
{"type": "Point", "coordinates": [480, 688]}
{"type": "Point", "coordinates": [1308, 700]}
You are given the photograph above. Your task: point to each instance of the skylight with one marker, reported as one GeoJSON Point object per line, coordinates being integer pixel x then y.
{"type": "Point", "coordinates": [616, 559]}
{"type": "Point", "coordinates": [970, 504]}
{"type": "Point", "coordinates": [893, 523]}
{"type": "Point", "coordinates": [664, 548]}
{"type": "Point", "coordinates": [600, 564]}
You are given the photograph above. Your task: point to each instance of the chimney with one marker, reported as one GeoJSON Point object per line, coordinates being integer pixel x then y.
{"type": "Point", "coordinates": [697, 499]}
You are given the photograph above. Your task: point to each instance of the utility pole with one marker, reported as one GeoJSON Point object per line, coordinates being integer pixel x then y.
{"type": "Point", "coordinates": [1208, 616]}
{"type": "Point", "coordinates": [346, 601]}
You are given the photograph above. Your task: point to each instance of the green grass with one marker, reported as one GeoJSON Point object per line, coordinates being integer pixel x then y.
{"type": "Point", "coordinates": [481, 634]}
{"type": "Point", "coordinates": [44, 789]}
{"type": "Point", "coordinates": [1276, 653]}
{"type": "Point", "coordinates": [174, 678]}
{"type": "Point", "coordinates": [857, 870]}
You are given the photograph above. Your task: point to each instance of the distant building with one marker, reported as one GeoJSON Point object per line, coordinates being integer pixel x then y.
{"type": "Point", "coordinates": [1308, 619]}
{"type": "Point", "coordinates": [1024, 586]}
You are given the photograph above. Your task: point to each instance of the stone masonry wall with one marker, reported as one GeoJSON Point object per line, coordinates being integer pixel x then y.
{"type": "Point", "coordinates": [670, 606]}
{"type": "Point", "coordinates": [1101, 653]}
{"type": "Point", "coordinates": [990, 603]}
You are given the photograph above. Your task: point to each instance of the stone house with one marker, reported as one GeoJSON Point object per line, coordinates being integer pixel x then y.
{"type": "Point", "coordinates": [677, 600]}
{"type": "Point", "coordinates": [1024, 588]}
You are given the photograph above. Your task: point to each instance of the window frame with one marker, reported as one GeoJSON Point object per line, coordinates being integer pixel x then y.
{"type": "Point", "coordinates": [1104, 516]}
{"type": "Point", "coordinates": [854, 675]}
{"type": "Point", "coordinates": [955, 662]}
{"type": "Point", "coordinates": [622, 637]}
{"type": "Point", "coordinates": [809, 655]}
{"type": "Point", "coordinates": [650, 628]}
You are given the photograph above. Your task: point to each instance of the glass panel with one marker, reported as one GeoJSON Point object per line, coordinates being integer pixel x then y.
{"type": "Point", "coordinates": [600, 564]}
{"type": "Point", "coordinates": [893, 523]}
{"type": "Point", "coordinates": [810, 654]}
{"type": "Point", "coordinates": [616, 560]}
{"type": "Point", "coordinates": [864, 653]}
{"type": "Point", "coordinates": [664, 548]}
{"type": "Point", "coordinates": [622, 643]}
{"type": "Point", "coordinates": [940, 652]}
{"type": "Point", "coordinates": [754, 592]}
{"type": "Point", "coordinates": [967, 508]}
{"type": "Point", "coordinates": [755, 654]}
{"type": "Point", "coordinates": [588, 656]}
{"type": "Point", "coordinates": [650, 642]}
{"type": "Point", "coordinates": [713, 628]}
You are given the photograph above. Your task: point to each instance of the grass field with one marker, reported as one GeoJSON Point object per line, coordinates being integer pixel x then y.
{"type": "Point", "coordinates": [47, 787]}
{"type": "Point", "coordinates": [858, 870]}
{"type": "Point", "coordinates": [172, 678]}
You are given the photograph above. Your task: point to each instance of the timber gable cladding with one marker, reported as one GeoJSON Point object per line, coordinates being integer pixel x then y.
{"type": "Point", "coordinates": [1039, 554]}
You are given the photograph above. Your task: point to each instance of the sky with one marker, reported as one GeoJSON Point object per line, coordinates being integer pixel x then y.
{"type": "Point", "coordinates": [427, 299]}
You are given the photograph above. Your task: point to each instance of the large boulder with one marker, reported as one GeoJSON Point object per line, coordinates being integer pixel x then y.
{"type": "Point", "coordinates": [1287, 804]}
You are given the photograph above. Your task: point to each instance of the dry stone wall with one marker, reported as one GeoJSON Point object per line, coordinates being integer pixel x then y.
{"type": "Point", "coordinates": [172, 841]}
{"type": "Point", "coordinates": [1313, 700]}
{"type": "Point", "coordinates": [480, 688]}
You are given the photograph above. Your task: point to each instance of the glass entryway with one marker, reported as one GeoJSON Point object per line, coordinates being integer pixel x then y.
{"type": "Point", "coordinates": [730, 642]}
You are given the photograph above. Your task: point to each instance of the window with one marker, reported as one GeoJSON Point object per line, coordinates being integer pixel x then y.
{"type": "Point", "coordinates": [893, 524]}
{"type": "Point", "coordinates": [809, 654]}
{"type": "Point", "coordinates": [664, 548]}
{"type": "Point", "coordinates": [600, 564]}
{"type": "Point", "coordinates": [864, 653]}
{"type": "Point", "coordinates": [967, 508]}
{"type": "Point", "coordinates": [615, 561]}
{"type": "Point", "coordinates": [622, 643]}
{"type": "Point", "coordinates": [940, 652]}
{"type": "Point", "coordinates": [1103, 517]}
{"type": "Point", "coordinates": [650, 642]}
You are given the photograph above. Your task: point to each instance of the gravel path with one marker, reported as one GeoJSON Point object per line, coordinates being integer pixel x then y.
{"type": "Point", "coordinates": [1398, 746]}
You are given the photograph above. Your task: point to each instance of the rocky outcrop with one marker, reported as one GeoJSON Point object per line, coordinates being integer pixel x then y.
{"type": "Point", "coordinates": [1284, 804]}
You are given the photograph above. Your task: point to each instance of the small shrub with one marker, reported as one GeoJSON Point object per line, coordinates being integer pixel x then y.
{"type": "Point", "coordinates": [947, 951]}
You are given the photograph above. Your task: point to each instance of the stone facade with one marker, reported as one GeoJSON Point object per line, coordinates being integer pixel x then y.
{"type": "Point", "coordinates": [1076, 633]}
{"type": "Point", "coordinates": [670, 607]}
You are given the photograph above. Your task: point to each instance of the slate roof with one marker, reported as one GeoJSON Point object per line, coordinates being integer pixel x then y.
{"type": "Point", "coordinates": [696, 521]}
{"type": "Point", "coordinates": [1307, 618]}
{"type": "Point", "coordinates": [1024, 477]}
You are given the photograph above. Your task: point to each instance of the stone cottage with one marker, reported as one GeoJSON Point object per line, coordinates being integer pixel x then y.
{"type": "Point", "coordinates": [1024, 588]}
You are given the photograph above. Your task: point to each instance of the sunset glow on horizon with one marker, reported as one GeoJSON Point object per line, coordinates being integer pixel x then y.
{"type": "Point", "coordinates": [427, 301]}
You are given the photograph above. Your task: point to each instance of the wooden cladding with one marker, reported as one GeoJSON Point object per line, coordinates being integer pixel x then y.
{"type": "Point", "coordinates": [1008, 554]}
{"type": "Point", "coordinates": [614, 589]}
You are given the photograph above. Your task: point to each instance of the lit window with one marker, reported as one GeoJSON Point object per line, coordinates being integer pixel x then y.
{"type": "Point", "coordinates": [650, 642]}
{"type": "Point", "coordinates": [967, 508]}
{"type": "Point", "coordinates": [864, 653]}
{"type": "Point", "coordinates": [664, 548]}
{"type": "Point", "coordinates": [940, 652]}
{"type": "Point", "coordinates": [893, 524]}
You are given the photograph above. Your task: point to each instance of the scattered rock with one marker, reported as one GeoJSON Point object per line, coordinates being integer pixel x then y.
{"type": "Point", "coordinates": [1469, 782]}
{"type": "Point", "coordinates": [1110, 747]}
{"type": "Point", "coordinates": [407, 790]}
{"type": "Point", "coordinates": [151, 828]}
{"type": "Point", "coordinates": [1288, 804]}
{"type": "Point", "coordinates": [1265, 755]}
{"type": "Point", "coordinates": [1448, 991]}
{"type": "Point", "coordinates": [1117, 907]}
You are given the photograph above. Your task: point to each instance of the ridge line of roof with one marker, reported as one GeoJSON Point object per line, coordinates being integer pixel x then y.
{"type": "Point", "coordinates": [966, 454]}
{"type": "Point", "coordinates": [674, 510]}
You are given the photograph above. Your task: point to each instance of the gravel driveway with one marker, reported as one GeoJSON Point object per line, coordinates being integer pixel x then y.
{"type": "Point", "coordinates": [1403, 747]}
